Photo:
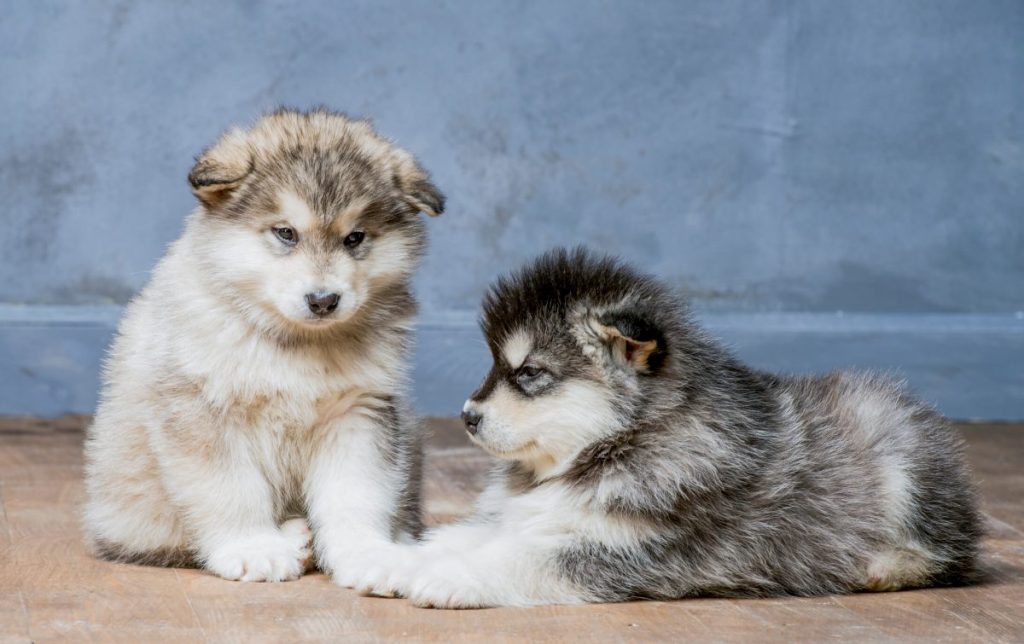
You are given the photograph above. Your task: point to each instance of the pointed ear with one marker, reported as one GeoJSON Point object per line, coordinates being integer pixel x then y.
{"type": "Point", "coordinates": [414, 184]}
{"type": "Point", "coordinates": [221, 169]}
{"type": "Point", "coordinates": [632, 340]}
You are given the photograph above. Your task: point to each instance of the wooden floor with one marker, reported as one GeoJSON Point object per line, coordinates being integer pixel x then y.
{"type": "Point", "coordinates": [50, 589]}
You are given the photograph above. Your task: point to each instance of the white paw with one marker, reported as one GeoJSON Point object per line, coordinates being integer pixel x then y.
{"type": "Point", "coordinates": [897, 568]}
{"type": "Point", "coordinates": [391, 579]}
{"type": "Point", "coordinates": [278, 555]}
{"type": "Point", "coordinates": [356, 566]}
{"type": "Point", "coordinates": [446, 587]}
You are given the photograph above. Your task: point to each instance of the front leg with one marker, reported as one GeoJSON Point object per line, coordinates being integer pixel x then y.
{"type": "Point", "coordinates": [361, 480]}
{"type": "Point", "coordinates": [505, 570]}
{"type": "Point", "coordinates": [212, 477]}
{"type": "Point", "coordinates": [485, 561]}
{"type": "Point", "coordinates": [389, 576]}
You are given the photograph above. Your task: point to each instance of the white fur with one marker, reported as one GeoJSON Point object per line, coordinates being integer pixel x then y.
{"type": "Point", "coordinates": [351, 494]}
{"type": "Point", "coordinates": [548, 431]}
{"type": "Point", "coordinates": [211, 467]}
{"type": "Point", "coordinates": [273, 279]}
{"type": "Point", "coordinates": [295, 212]}
{"type": "Point", "coordinates": [517, 348]}
{"type": "Point", "coordinates": [504, 555]}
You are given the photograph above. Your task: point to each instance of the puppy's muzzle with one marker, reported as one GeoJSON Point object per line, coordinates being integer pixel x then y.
{"type": "Point", "coordinates": [322, 303]}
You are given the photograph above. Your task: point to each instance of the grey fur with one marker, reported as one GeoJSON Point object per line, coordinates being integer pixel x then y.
{"type": "Point", "coordinates": [754, 483]}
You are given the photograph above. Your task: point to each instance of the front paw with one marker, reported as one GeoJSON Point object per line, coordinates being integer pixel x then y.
{"type": "Point", "coordinates": [447, 587]}
{"type": "Point", "coordinates": [387, 579]}
{"type": "Point", "coordinates": [357, 566]}
{"type": "Point", "coordinates": [274, 555]}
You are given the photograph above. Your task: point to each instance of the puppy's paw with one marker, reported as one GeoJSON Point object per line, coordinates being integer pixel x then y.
{"type": "Point", "coordinates": [277, 555]}
{"type": "Point", "coordinates": [387, 580]}
{"type": "Point", "coordinates": [299, 529]}
{"type": "Point", "coordinates": [439, 586]}
{"type": "Point", "coordinates": [377, 582]}
{"type": "Point", "coordinates": [352, 566]}
{"type": "Point", "coordinates": [896, 569]}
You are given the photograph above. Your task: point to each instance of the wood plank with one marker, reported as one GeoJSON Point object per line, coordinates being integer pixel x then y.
{"type": "Point", "coordinates": [14, 623]}
{"type": "Point", "coordinates": [68, 594]}
{"type": "Point", "coordinates": [51, 589]}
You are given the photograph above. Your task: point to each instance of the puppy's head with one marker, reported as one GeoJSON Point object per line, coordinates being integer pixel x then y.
{"type": "Point", "coordinates": [577, 342]}
{"type": "Point", "coordinates": [309, 217]}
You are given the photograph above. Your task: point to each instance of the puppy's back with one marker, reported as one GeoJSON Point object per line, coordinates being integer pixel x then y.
{"type": "Point", "coordinates": [914, 456]}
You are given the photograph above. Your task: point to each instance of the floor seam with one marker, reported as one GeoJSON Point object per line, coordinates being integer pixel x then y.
{"type": "Point", "coordinates": [1002, 524]}
{"type": "Point", "coordinates": [28, 616]}
{"type": "Point", "coordinates": [10, 545]}
{"type": "Point", "coordinates": [192, 609]}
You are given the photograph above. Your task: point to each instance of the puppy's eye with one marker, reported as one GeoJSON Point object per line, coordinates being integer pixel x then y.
{"type": "Point", "coordinates": [286, 234]}
{"type": "Point", "coordinates": [530, 371]}
{"type": "Point", "coordinates": [354, 238]}
{"type": "Point", "coordinates": [528, 374]}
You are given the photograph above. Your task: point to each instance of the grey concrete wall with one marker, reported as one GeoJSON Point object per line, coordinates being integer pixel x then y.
{"type": "Point", "coordinates": [790, 157]}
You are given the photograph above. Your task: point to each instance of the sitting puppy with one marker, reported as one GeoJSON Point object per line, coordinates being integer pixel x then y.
{"type": "Point", "coordinates": [261, 374]}
{"type": "Point", "coordinates": [643, 461]}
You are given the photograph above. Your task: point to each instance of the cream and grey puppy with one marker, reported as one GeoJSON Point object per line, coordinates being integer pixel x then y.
{"type": "Point", "coordinates": [259, 379]}
{"type": "Point", "coordinates": [641, 460]}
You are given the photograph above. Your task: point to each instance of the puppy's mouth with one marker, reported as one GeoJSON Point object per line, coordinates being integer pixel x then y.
{"type": "Point", "coordinates": [507, 453]}
{"type": "Point", "coordinates": [313, 321]}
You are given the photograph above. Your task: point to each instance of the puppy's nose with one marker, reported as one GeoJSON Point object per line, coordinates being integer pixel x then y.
{"type": "Point", "coordinates": [322, 302]}
{"type": "Point", "coordinates": [472, 420]}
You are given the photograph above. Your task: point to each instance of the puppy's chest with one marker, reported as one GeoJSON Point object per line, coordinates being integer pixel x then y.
{"type": "Point", "coordinates": [284, 429]}
{"type": "Point", "coordinates": [555, 510]}
{"type": "Point", "coordinates": [296, 413]}
{"type": "Point", "coordinates": [288, 395]}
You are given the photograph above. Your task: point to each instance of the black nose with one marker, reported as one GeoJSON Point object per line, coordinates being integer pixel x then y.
{"type": "Point", "coordinates": [472, 420]}
{"type": "Point", "coordinates": [322, 303]}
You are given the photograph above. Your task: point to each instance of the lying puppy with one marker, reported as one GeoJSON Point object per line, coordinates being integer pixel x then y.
{"type": "Point", "coordinates": [643, 461]}
{"type": "Point", "coordinates": [261, 374]}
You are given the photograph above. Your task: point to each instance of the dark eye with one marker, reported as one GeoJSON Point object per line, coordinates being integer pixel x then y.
{"type": "Point", "coordinates": [528, 373]}
{"type": "Point", "coordinates": [354, 238]}
{"type": "Point", "coordinates": [286, 235]}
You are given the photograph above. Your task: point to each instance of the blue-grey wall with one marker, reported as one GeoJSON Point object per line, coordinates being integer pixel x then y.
{"type": "Point", "coordinates": [835, 183]}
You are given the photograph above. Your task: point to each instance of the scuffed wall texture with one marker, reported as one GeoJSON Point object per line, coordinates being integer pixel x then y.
{"type": "Point", "coordinates": [796, 156]}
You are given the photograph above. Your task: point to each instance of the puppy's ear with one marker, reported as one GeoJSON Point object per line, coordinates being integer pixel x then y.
{"type": "Point", "coordinates": [632, 340]}
{"type": "Point", "coordinates": [425, 196]}
{"type": "Point", "coordinates": [414, 184]}
{"type": "Point", "coordinates": [221, 168]}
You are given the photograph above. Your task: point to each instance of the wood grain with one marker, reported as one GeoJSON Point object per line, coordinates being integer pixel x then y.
{"type": "Point", "coordinates": [52, 590]}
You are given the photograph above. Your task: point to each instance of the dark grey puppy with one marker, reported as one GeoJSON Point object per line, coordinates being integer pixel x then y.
{"type": "Point", "coordinates": [644, 461]}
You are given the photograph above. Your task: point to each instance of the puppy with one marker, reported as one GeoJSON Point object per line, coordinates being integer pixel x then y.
{"type": "Point", "coordinates": [641, 460]}
{"type": "Point", "coordinates": [261, 375]}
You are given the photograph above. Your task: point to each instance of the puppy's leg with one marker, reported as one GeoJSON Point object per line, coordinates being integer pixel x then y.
{"type": "Point", "coordinates": [128, 515]}
{"type": "Point", "coordinates": [388, 577]}
{"type": "Point", "coordinates": [353, 493]}
{"type": "Point", "coordinates": [504, 570]}
{"type": "Point", "coordinates": [898, 568]}
{"type": "Point", "coordinates": [229, 508]}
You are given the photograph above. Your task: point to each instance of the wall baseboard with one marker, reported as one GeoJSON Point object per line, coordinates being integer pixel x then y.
{"type": "Point", "coordinates": [970, 366]}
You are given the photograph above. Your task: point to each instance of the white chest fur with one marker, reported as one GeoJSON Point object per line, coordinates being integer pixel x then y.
{"type": "Point", "coordinates": [556, 510]}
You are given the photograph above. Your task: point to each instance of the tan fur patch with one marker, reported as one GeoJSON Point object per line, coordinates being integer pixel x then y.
{"type": "Point", "coordinates": [346, 221]}
{"type": "Point", "coordinates": [222, 167]}
{"type": "Point", "coordinates": [626, 349]}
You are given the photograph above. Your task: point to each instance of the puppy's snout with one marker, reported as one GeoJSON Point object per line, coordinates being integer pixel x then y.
{"type": "Point", "coordinates": [472, 420]}
{"type": "Point", "coordinates": [322, 302]}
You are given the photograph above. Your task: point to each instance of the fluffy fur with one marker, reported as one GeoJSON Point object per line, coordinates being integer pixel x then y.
{"type": "Point", "coordinates": [232, 411]}
{"type": "Point", "coordinates": [641, 460]}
